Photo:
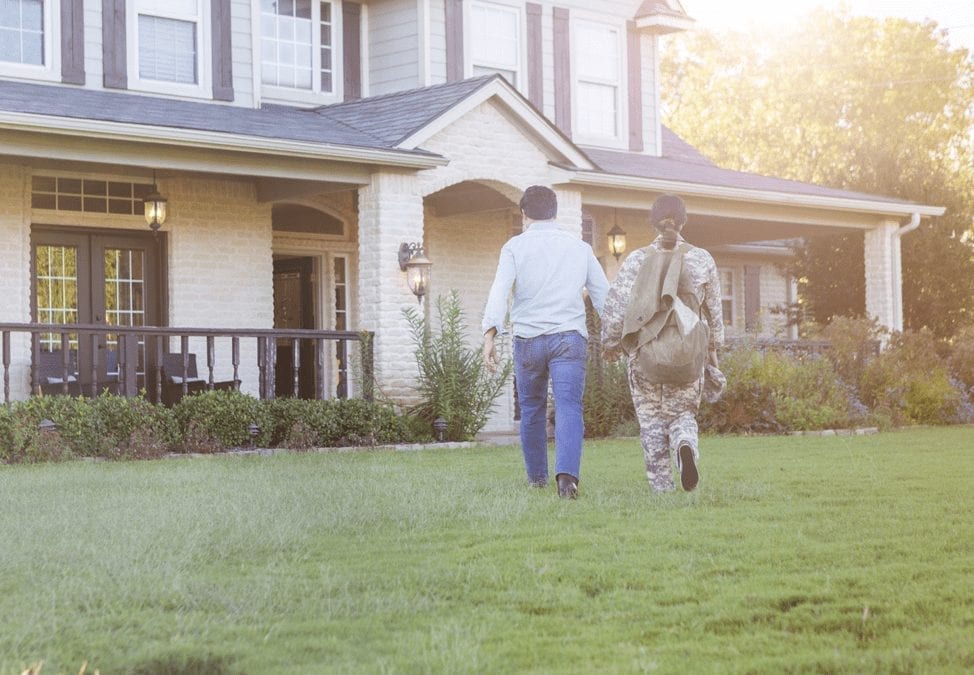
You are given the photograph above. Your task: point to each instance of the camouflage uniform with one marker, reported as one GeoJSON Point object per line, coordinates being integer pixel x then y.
{"type": "Point", "coordinates": [666, 413]}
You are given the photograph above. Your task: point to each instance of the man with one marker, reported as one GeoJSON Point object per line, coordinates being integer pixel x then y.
{"type": "Point", "coordinates": [547, 268]}
{"type": "Point", "coordinates": [666, 410]}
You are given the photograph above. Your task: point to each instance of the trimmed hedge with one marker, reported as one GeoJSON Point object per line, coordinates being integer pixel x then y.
{"type": "Point", "coordinates": [115, 427]}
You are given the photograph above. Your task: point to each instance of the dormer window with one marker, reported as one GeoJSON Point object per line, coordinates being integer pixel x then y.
{"type": "Point", "coordinates": [598, 87]}
{"type": "Point", "coordinates": [167, 52]}
{"type": "Point", "coordinates": [299, 47]}
{"type": "Point", "coordinates": [495, 40]}
{"type": "Point", "coordinates": [26, 41]}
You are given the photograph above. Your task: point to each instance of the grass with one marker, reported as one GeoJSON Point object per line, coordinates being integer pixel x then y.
{"type": "Point", "coordinates": [795, 554]}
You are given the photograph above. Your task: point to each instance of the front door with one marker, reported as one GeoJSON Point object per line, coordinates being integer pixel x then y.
{"type": "Point", "coordinates": [294, 308]}
{"type": "Point", "coordinates": [94, 277]}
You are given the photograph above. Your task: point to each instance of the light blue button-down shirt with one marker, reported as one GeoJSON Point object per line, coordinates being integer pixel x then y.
{"type": "Point", "coordinates": [547, 268]}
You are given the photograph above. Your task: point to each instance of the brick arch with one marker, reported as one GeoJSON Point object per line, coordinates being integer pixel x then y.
{"type": "Point", "coordinates": [496, 183]}
{"type": "Point", "coordinates": [314, 205]}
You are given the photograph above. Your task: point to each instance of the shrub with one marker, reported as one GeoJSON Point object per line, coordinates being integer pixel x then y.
{"type": "Point", "coordinates": [453, 382]}
{"type": "Point", "coordinates": [962, 359]}
{"type": "Point", "coordinates": [909, 382]}
{"type": "Point", "coordinates": [131, 427]}
{"type": "Point", "coordinates": [772, 391]}
{"type": "Point", "coordinates": [607, 401]}
{"type": "Point", "coordinates": [218, 420]}
{"type": "Point", "coordinates": [302, 424]}
{"type": "Point", "coordinates": [853, 342]}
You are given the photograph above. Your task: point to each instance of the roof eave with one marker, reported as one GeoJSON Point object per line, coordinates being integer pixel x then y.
{"type": "Point", "coordinates": [172, 136]}
{"type": "Point", "coordinates": [661, 24]}
{"type": "Point", "coordinates": [895, 209]}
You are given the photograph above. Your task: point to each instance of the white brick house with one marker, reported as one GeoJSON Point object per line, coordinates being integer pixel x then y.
{"type": "Point", "coordinates": [299, 144]}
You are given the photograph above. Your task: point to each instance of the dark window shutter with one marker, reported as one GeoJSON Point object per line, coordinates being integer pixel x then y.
{"type": "Point", "coordinates": [72, 42]}
{"type": "Point", "coordinates": [752, 296]}
{"type": "Point", "coordinates": [635, 88]}
{"type": "Point", "coordinates": [222, 50]}
{"type": "Point", "coordinates": [352, 49]}
{"type": "Point", "coordinates": [535, 66]}
{"type": "Point", "coordinates": [113, 44]}
{"type": "Point", "coordinates": [454, 40]}
{"type": "Point", "coordinates": [563, 71]}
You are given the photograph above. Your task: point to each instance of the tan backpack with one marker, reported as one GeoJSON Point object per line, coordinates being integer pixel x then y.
{"type": "Point", "coordinates": [666, 333]}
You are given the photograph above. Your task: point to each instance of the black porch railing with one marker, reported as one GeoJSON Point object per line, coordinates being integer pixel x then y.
{"type": "Point", "coordinates": [85, 359]}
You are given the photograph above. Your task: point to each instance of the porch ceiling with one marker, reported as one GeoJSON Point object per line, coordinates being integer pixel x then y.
{"type": "Point", "coordinates": [468, 197]}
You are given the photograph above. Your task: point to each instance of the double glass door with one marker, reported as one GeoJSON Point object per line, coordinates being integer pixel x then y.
{"type": "Point", "coordinates": [100, 278]}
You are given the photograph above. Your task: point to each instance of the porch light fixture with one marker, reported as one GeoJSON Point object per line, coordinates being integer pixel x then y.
{"type": "Point", "coordinates": [155, 207]}
{"type": "Point", "coordinates": [413, 261]}
{"type": "Point", "coordinates": [617, 241]}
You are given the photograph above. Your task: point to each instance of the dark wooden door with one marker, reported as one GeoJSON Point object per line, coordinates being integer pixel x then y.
{"type": "Point", "coordinates": [95, 277]}
{"type": "Point", "coordinates": [294, 308]}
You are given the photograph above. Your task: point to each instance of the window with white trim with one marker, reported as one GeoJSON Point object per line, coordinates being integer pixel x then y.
{"type": "Point", "coordinates": [727, 303]}
{"type": "Point", "coordinates": [598, 68]}
{"type": "Point", "coordinates": [299, 45]}
{"type": "Point", "coordinates": [27, 37]}
{"type": "Point", "coordinates": [495, 40]}
{"type": "Point", "coordinates": [167, 46]}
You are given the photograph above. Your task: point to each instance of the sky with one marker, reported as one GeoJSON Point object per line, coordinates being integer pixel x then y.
{"type": "Point", "coordinates": [955, 15]}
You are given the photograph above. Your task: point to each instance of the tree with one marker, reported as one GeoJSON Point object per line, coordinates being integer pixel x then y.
{"type": "Point", "coordinates": [883, 107]}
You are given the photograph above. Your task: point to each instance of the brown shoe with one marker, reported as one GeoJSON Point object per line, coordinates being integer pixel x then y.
{"type": "Point", "coordinates": [567, 486]}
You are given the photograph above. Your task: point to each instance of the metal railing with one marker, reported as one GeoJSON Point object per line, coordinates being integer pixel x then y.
{"type": "Point", "coordinates": [84, 350]}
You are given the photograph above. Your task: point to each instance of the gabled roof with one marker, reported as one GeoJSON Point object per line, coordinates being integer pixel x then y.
{"type": "Point", "coordinates": [406, 119]}
{"type": "Point", "coordinates": [394, 117]}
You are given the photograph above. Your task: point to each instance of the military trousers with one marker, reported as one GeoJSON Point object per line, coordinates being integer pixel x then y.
{"type": "Point", "coordinates": [667, 416]}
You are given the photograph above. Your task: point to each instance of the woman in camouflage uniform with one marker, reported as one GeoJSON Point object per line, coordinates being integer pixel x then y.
{"type": "Point", "coordinates": [666, 413]}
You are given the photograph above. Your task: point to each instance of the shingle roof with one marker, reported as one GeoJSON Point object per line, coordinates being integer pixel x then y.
{"type": "Point", "coordinates": [683, 163]}
{"type": "Point", "coordinates": [270, 121]}
{"type": "Point", "coordinates": [378, 123]}
{"type": "Point", "coordinates": [394, 117]}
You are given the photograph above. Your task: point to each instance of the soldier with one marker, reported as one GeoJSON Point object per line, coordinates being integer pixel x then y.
{"type": "Point", "coordinates": [667, 412]}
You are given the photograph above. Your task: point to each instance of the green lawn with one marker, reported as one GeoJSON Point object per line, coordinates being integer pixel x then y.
{"type": "Point", "coordinates": [835, 554]}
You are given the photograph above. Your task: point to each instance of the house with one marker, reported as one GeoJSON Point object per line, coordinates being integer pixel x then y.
{"type": "Point", "coordinates": [299, 145]}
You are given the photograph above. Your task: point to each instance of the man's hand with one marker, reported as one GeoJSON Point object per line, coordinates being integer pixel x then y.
{"type": "Point", "coordinates": [490, 352]}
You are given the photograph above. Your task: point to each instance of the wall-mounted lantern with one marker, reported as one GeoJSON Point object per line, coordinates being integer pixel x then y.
{"type": "Point", "coordinates": [413, 261]}
{"type": "Point", "coordinates": [617, 241]}
{"type": "Point", "coordinates": [155, 207]}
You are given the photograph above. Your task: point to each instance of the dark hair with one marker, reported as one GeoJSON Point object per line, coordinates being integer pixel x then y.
{"type": "Point", "coordinates": [539, 203]}
{"type": "Point", "coordinates": [668, 207]}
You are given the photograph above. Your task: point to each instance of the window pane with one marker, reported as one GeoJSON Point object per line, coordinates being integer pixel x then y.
{"type": "Point", "coordinates": [69, 186]}
{"type": "Point", "coordinates": [33, 14]}
{"type": "Point", "coordinates": [302, 9]}
{"type": "Point", "coordinates": [598, 48]}
{"type": "Point", "coordinates": [9, 45]}
{"type": "Point", "coordinates": [43, 184]}
{"type": "Point", "coordinates": [10, 14]}
{"type": "Point", "coordinates": [597, 109]}
{"type": "Point", "coordinates": [43, 201]}
{"type": "Point", "coordinates": [495, 37]}
{"type": "Point", "coordinates": [167, 49]}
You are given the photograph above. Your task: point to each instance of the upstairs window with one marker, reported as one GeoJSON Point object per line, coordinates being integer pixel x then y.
{"type": "Point", "coordinates": [598, 69]}
{"type": "Point", "coordinates": [298, 45]}
{"type": "Point", "coordinates": [167, 53]}
{"type": "Point", "coordinates": [26, 39]}
{"type": "Point", "coordinates": [495, 36]}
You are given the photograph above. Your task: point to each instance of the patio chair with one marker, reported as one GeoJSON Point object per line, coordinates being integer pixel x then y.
{"type": "Point", "coordinates": [172, 378]}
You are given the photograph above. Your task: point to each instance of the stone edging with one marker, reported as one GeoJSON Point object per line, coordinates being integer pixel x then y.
{"type": "Point", "coordinates": [863, 431]}
{"type": "Point", "coordinates": [270, 452]}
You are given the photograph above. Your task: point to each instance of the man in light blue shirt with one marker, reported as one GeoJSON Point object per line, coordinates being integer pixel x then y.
{"type": "Point", "coordinates": [547, 268]}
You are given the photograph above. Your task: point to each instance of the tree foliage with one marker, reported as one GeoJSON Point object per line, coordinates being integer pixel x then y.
{"type": "Point", "coordinates": [884, 107]}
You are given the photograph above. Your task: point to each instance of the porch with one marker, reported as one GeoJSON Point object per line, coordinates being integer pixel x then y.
{"type": "Point", "coordinates": [87, 359]}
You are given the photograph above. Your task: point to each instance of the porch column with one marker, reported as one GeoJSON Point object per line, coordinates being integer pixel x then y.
{"type": "Point", "coordinates": [883, 274]}
{"type": "Point", "coordinates": [390, 213]}
{"type": "Point", "coordinates": [570, 211]}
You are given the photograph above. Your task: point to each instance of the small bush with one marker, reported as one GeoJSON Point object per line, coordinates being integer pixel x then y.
{"type": "Point", "coordinates": [453, 382]}
{"type": "Point", "coordinates": [962, 359]}
{"type": "Point", "coordinates": [909, 382]}
{"type": "Point", "coordinates": [607, 401]}
{"type": "Point", "coordinates": [131, 428]}
{"type": "Point", "coordinates": [220, 420]}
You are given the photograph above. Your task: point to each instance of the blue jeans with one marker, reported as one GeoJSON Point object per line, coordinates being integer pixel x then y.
{"type": "Point", "coordinates": [560, 356]}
